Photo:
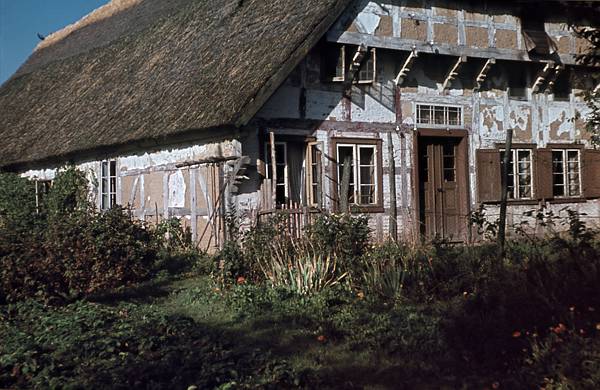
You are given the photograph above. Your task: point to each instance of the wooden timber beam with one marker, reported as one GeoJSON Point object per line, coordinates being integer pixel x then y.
{"type": "Point", "coordinates": [209, 160]}
{"type": "Point", "coordinates": [382, 42]}
{"type": "Point", "coordinates": [553, 76]}
{"type": "Point", "coordinates": [542, 76]}
{"type": "Point", "coordinates": [453, 74]}
{"type": "Point", "coordinates": [406, 68]}
{"type": "Point", "coordinates": [483, 73]}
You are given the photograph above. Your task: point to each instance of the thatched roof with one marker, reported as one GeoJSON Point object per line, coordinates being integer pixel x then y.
{"type": "Point", "coordinates": [151, 69]}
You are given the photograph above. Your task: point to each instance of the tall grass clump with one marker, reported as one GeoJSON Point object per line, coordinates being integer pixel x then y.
{"type": "Point", "coordinates": [301, 267]}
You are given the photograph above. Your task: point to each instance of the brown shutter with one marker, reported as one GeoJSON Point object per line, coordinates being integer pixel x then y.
{"type": "Point", "coordinates": [543, 174]}
{"type": "Point", "coordinates": [488, 175]}
{"type": "Point", "coordinates": [591, 173]}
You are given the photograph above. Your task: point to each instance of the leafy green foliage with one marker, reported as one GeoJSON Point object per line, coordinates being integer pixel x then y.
{"type": "Point", "coordinates": [17, 204]}
{"type": "Point", "coordinates": [70, 250]}
{"type": "Point", "coordinates": [69, 194]}
{"type": "Point", "coordinates": [87, 345]}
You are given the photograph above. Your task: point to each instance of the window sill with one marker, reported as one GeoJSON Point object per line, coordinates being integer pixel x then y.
{"type": "Point", "coordinates": [567, 200]}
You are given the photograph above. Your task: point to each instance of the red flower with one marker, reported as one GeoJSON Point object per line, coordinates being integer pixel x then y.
{"type": "Point", "coordinates": [559, 329]}
{"type": "Point", "coordinates": [241, 280]}
{"type": "Point", "coordinates": [321, 338]}
{"type": "Point", "coordinates": [516, 334]}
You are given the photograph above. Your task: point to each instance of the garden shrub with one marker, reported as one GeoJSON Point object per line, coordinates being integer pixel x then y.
{"type": "Point", "coordinates": [176, 251]}
{"type": "Point", "coordinates": [78, 251]}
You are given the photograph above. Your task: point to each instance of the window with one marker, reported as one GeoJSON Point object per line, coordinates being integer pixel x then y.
{"type": "Point", "coordinates": [108, 184]}
{"type": "Point", "coordinates": [363, 164]}
{"type": "Point", "coordinates": [313, 163]}
{"type": "Point", "coordinates": [520, 174]}
{"type": "Point", "coordinates": [42, 187]}
{"type": "Point", "coordinates": [442, 116]}
{"type": "Point", "coordinates": [336, 62]}
{"type": "Point", "coordinates": [562, 87]}
{"type": "Point", "coordinates": [367, 73]}
{"type": "Point", "coordinates": [281, 185]}
{"type": "Point", "coordinates": [566, 173]}
{"type": "Point", "coordinates": [333, 63]}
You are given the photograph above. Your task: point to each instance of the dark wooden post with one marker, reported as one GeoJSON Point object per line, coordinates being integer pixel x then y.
{"type": "Point", "coordinates": [392, 182]}
{"type": "Point", "coordinates": [273, 171]}
{"type": "Point", "coordinates": [345, 185]}
{"type": "Point", "coordinates": [504, 198]}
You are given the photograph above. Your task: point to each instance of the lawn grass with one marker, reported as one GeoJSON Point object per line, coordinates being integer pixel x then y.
{"type": "Point", "coordinates": [191, 331]}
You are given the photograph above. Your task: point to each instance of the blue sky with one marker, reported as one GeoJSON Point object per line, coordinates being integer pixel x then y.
{"type": "Point", "coordinates": [21, 20]}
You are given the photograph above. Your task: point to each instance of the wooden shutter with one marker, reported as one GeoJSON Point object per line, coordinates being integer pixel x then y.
{"type": "Point", "coordinates": [488, 175]}
{"type": "Point", "coordinates": [543, 174]}
{"type": "Point", "coordinates": [591, 173]}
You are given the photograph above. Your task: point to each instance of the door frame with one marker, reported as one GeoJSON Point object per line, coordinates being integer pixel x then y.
{"type": "Point", "coordinates": [463, 182]}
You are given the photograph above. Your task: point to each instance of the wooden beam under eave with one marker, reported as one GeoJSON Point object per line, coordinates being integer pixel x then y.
{"type": "Point", "coordinates": [453, 74]}
{"type": "Point", "coordinates": [553, 76]}
{"type": "Point", "coordinates": [357, 60]}
{"type": "Point", "coordinates": [542, 76]}
{"type": "Point", "coordinates": [406, 68]}
{"type": "Point", "coordinates": [483, 73]}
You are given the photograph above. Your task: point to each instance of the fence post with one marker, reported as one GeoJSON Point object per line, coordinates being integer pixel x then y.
{"type": "Point", "coordinates": [392, 181]}
{"type": "Point", "coordinates": [504, 198]}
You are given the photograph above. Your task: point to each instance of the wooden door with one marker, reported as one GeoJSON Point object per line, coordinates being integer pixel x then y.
{"type": "Point", "coordinates": [441, 194]}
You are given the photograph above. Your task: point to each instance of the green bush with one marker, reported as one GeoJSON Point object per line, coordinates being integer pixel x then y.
{"type": "Point", "coordinates": [76, 250]}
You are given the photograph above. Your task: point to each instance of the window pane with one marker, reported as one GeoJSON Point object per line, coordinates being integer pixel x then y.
{"type": "Point", "coordinates": [280, 169]}
{"type": "Point", "coordinates": [573, 172]}
{"type": "Point", "coordinates": [439, 115]}
{"type": "Point", "coordinates": [113, 184]}
{"type": "Point", "coordinates": [104, 169]}
{"type": "Point", "coordinates": [558, 178]}
{"type": "Point", "coordinates": [424, 114]}
{"type": "Point", "coordinates": [367, 194]}
{"type": "Point", "coordinates": [113, 168]}
{"type": "Point", "coordinates": [280, 153]}
{"type": "Point", "coordinates": [367, 175]}
{"type": "Point", "coordinates": [453, 116]}
{"type": "Point", "coordinates": [367, 156]}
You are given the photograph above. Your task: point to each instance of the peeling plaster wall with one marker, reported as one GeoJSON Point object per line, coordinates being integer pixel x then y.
{"type": "Point", "coordinates": [535, 119]}
{"type": "Point", "coordinates": [155, 188]}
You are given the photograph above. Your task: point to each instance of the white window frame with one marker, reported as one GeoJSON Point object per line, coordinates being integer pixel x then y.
{"type": "Point", "coordinates": [312, 181]}
{"type": "Point", "coordinates": [516, 194]}
{"type": "Point", "coordinates": [112, 190]}
{"type": "Point", "coordinates": [356, 147]}
{"type": "Point", "coordinates": [284, 164]}
{"type": "Point", "coordinates": [432, 108]}
{"type": "Point", "coordinates": [363, 71]}
{"type": "Point", "coordinates": [565, 173]}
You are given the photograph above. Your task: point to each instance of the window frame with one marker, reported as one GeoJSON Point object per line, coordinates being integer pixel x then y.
{"type": "Point", "coordinates": [515, 172]}
{"type": "Point", "coordinates": [42, 187]}
{"type": "Point", "coordinates": [344, 55]}
{"type": "Point", "coordinates": [433, 125]}
{"type": "Point", "coordinates": [310, 180]}
{"type": "Point", "coordinates": [357, 144]}
{"type": "Point", "coordinates": [112, 192]}
{"type": "Point", "coordinates": [565, 173]}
